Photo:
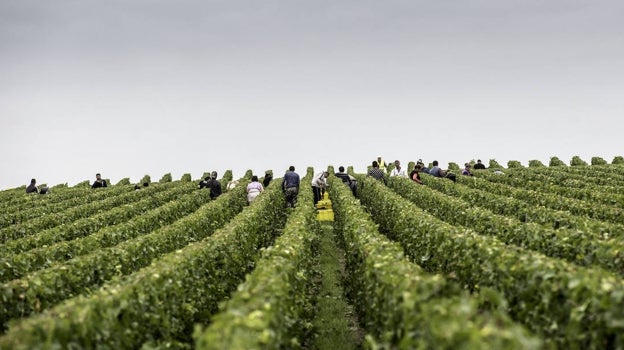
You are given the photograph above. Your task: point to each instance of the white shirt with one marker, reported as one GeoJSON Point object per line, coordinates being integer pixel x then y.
{"type": "Point", "coordinates": [396, 172]}
{"type": "Point", "coordinates": [319, 180]}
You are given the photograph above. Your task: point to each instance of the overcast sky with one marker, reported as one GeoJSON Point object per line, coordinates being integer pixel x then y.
{"type": "Point", "coordinates": [135, 87]}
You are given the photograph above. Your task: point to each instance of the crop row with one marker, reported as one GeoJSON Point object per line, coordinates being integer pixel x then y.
{"type": "Point", "coordinates": [402, 306]}
{"type": "Point", "coordinates": [569, 306]}
{"type": "Point", "coordinates": [48, 287]}
{"type": "Point", "coordinates": [51, 247]}
{"type": "Point", "coordinates": [573, 245]}
{"type": "Point", "coordinates": [49, 217]}
{"type": "Point", "coordinates": [272, 308]}
{"type": "Point", "coordinates": [603, 194]}
{"type": "Point", "coordinates": [163, 301]}
{"type": "Point", "coordinates": [524, 211]}
{"type": "Point", "coordinates": [596, 211]}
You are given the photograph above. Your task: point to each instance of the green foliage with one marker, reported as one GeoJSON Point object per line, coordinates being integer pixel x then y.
{"type": "Point", "coordinates": [124, 181]}
{"type": "Point", "coordinates": [577, 161]}
{"type": "Point", "coordinates": [83, 273]}
{"type": "Point", "coordinates": [514, 164]}
{"type": "Point", "coordinates": [146, 179]}
{"type": "Point", "coordinates": [534, 163]}
{"type": "Point", "coordinates": [160, 208]}
{"type": "Point", "coordinates": [618, 160]}
{"type": "Point", "coordinates": [493, 164]}
{"type": "Point", "coordinates": [84, 183]}
{"type": "Point", "coordinates": [186, 177]}
{"type": "Point", "coordinates": [227, 176]}
{"type": "Point", "coordinates": [587, 305]}
{"type": "Point", "coordinates": [554, 161]}
{"type": "Point", "coordinates": [163, 301]}
{"type": "Point", "coordinates": [269, 309]}
{"type": "Point", "coordinates": [410, 166]}
{"type": "Point", "coordinates": [399, 304]}
{"type": "Point", "coordinates": [453, 166]}
{"type": "Point", "coordinates": [66, 212]}
{"type": "Point", "coordinates": [598, 161]}
{"type": "Point", "coordinates": [515, 222]}
{"type": "Point", "coordinates": [166, 178]}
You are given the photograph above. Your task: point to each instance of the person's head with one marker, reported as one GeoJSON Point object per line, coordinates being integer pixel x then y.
{"type": "Point", "coordinates": [213, 175]}
{"type": "Point", "coordinates": [375, 164]}
{"type": "Point", "coordinates": [379, 159]}
{"type": "Point", "coordinates": [326, 173]}
{"type": "Point", "coordinates": [417, 166]}
{"type": "Point", "coordinates": [479, 161]}
{"type": "Point", "coordinates": [341, 169]}
{"type": "Point", "coordinates": [145, 184]}
{"type": "Point", "coordinates": [33, 181]}
{"type": "Point", "coordinates": [98, 176]}
{"type": "Point", "coordinates": [397, 164]}
{"type": "Point", "coordinates": [254, 178]}
{"type": "Point", "coordinates": [467, 165]}
{"type": "Point", "coordinates": [44, 190]}
{"type": "Point", "coordinates": [420, 162]}
{"type": "Point", "coordinates": [291, 168]}
{"type": "Point", "coordinates": [435, 163]}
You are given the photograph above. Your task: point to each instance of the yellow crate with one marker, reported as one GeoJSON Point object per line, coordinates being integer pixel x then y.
{"type": "Point", "coordinates": [324, 204]}
{"type": "Point", "coordinates": [325, 215]}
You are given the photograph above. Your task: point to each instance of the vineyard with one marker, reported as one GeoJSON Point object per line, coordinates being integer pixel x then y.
{"type": "Point", "coordinates": [529, 259]}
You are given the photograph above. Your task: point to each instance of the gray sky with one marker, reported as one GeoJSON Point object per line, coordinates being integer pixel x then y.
{"type": "Point", "coordinates": [128, 88]}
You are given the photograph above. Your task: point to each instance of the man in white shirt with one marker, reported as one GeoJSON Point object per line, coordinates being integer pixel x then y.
{"type": "Point", "coordinates": [319, 182]}
{"type": "Point", "coordinates": [398, 170]}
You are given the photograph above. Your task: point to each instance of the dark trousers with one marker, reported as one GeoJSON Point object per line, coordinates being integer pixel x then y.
{"type": "Point", "coordinates": [317, 194]}
{"type": "Point", "coordinates": [291, 196]}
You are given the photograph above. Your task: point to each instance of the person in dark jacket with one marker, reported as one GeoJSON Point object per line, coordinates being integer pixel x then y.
{"type": "Point", "coordinates": [267, 179]}
{"type": "Point", "coordinates": [32, 188]}
{"type": "Point", "coordinates": [99, 182]}
{"type": "Point", "coordinates": [290, 187]}
{"type": "Point", "coordinates": [347, 179]}
{"type": "Point", "coordinates": [214, 185]}
{"type": "Point", "coordinates": [479, 165]}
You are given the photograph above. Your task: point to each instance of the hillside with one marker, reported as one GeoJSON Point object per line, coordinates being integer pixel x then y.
{"type": "Point", "coordinates": [530, 258]}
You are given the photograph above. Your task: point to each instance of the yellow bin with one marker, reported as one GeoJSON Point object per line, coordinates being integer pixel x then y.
{"type": "Point", "coordinates": [324, 207]}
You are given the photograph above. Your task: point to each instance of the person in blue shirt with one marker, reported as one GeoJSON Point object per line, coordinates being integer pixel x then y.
{"type": "Point", "coordinates": [290, 187]}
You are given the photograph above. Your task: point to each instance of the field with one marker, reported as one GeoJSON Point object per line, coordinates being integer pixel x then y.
{"type": "Point", "coordinates": [529, 259]}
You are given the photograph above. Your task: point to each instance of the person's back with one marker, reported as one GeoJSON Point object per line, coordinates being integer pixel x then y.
{"type": "Point", "coordinates": [436, 171]}
{"type": "Point", "coordinates": [377, 173]}
{"type": "Point", "coordinates": [214, 185]}
{"type": "Point", "coordinates": [291, 179]}
{"type": "Point", "coordinates": [290, 187]}
{"type": "Point", "coordinates": [32, 188]}
{"type": "Point", "coordinates": [343, 176]}
{"type": "Point", "coordinates": [267, 179]}
{"type": "Point", "coordinates": [479, 165]}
